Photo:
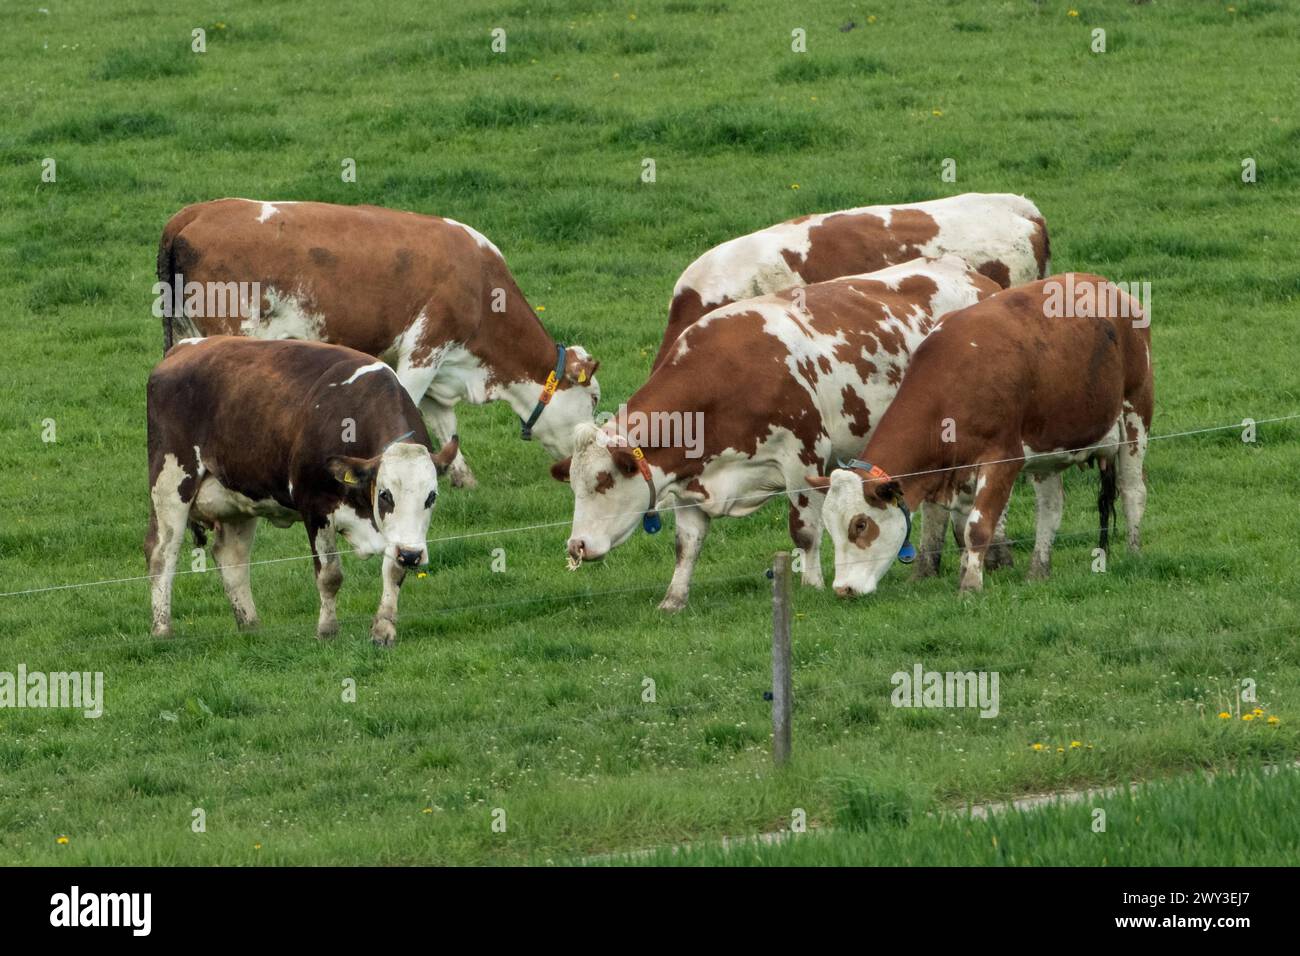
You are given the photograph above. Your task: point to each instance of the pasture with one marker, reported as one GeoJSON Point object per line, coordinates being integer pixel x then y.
{"type": "Point", "coordinates": [522, 690]}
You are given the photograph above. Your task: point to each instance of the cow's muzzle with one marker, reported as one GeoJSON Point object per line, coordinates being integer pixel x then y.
{"type": "Point", "coordinates": [580, 549]}
{"type": "Point", "coordinates": [409, 557]}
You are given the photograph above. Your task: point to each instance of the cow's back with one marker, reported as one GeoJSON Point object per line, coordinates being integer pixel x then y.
{"type": "Point", "coordinates": [821, 362]}
{"type": "Point", "coordinates": [1002, 236]}
{"type": "Point", "coordinates": [247, 404]}
{"type": "Point", "coordinates": [1057, 381]}
{"type": "Point", "coordinates": [353, 275]}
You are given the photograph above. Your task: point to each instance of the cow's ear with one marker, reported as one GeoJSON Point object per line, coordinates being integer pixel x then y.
{"type": "Point", "coordinates": [579, 367]}
{"type": "Point", "coordinates": [560, 470]}
{"type": "Point", "coordinates": [624, 461]}
{"type": "Point", "coordinates": [442, 461]}
{"type": "Point", "coordinates": [351, 472]}
{"type": "Point", "coordinates": [890, 492]}
{"type": "Point", "coordinates": [819, 482]}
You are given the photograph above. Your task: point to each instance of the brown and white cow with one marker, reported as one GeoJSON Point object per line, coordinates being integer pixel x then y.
{"type": "Point", "coordinates": [241, 429]}
{"type": "Point", "coordinates": [1001, 235]}
{"type": "Point", "coordinates": [431, 297]}
{"type": "Point", "coordinates": [782, 385]}
{"type": "Point", "coordinates": [1017, 383]}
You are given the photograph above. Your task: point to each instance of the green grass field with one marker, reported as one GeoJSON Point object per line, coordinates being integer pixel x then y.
{"type": "Point", "coordinates": [1163, 824]}
{"type": "Point", "coordinates": [522, 691]}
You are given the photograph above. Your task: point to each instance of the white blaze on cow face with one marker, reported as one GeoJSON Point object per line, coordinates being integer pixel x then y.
{"type": "Point", "coordinates": [406, 486]}
{"type": "Point", "coordinates": [609, 494]}
{"type": "Point", "coordinates": [866, 532]}
{"type": "Point", "coordinates": [402, 494]}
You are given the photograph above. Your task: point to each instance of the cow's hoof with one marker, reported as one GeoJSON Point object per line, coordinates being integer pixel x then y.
{"type": "Point", "coordinates": [970, 587]}
{"type": "Point", "coordinates": [162, 633]}
{"type": "Point", "coordinates": [672, 604]}
{"type": "Point", "coordinates": [817, 583]}
{"type": "Point", "coordinates": [327, 632]}
{"type": "Point", "coordinates": [384, 633]}
{"type": "Point", "coordinates": [251, 624]}
{"type": "Point", "coordinates": [999, 556]}
{"type": "Point", "coordinates": [1038, 570]}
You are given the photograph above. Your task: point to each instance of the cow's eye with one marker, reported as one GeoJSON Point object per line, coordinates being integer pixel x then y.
{"type": "Point", "coordinates": [859, 526]}
{"type": "Point", "coordinates": [386, 497]}
{"type": "Point", "coordinates": [433, 496]}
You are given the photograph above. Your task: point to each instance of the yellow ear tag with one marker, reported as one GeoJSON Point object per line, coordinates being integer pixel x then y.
{"type": "Point", "coordinates": [582, 376]}
{"type": "Point", "coordinates": [349, 478]}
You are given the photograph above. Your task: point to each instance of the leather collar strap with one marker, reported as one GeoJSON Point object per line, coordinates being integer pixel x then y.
{"type": "Point", "coordinates": [907, 553]}
{"type": "Point", "coordinates": [399, 438]}
{"type": "Point", "coordinates": [650, 521]}
{"type": "Point", "coordinates": [548, 392]}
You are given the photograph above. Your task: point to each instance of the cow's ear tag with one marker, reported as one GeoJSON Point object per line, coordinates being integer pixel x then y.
{"type": "Point", "coordinates": [650, 521]}
{"type": "Point", "coordinates": [349, 477]}
{"type": "Point", "coordinates": [582, 375]}
{"type": "Point", "coordinates": [907, 553]}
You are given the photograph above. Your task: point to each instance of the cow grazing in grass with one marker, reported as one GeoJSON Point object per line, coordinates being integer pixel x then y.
{"type": "Point", "coordinates": [1003, 236]}
{"type": "Point", "coordinates": [241, 429]}
{"type": "Point", "coordinates": [1016, 385]}
{"type": "Point", "coordinates": [782, 385]}
{"type": "Point", "coordinates": [431, 297]}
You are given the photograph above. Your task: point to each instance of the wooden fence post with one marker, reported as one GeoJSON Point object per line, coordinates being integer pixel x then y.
{"type": "Point", "coordinates": [780, 658]}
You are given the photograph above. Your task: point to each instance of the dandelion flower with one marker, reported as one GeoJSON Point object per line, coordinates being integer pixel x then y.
{"type": "Point", "coordinates": [62, 841]}
{"type": "Point", "coordinates": [1274, 721]}
{"type": "Point", "coordinates": [1037, 746]}
{"type": "Point", "coordinates": [1224, 715]}
{"type": "Point", "coordinates": [1072, 13]}
{"type": "Point", "coordinates": [1075, 745]}
{"type": "Point", "coordinates": [1247, 716]}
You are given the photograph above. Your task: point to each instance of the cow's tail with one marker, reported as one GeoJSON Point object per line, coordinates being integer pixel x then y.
{"type": "Point", "coordinates": [1109, 471]}
{"type": "Point", "coordinates": [168, 269]}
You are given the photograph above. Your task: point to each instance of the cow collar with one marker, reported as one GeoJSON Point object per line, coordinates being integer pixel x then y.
{"type": "Point", "coordinates": [907, 553]}
{"type": "Point", "coordinates": [548, 392]}
{"type": "Point", "coordinates": [650, 520]}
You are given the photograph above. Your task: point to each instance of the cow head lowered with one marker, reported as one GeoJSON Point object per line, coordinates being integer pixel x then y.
{"type": "Point", "coordinates": [388, 500]}
{"type": "Point", "coordinates": [869, 525]}
{"type": "Point", "coordinates": [610, 492]}
{"type": "Point", "coordinates": [573, 402]}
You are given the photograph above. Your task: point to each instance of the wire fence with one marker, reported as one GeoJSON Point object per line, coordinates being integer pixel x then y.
{"type": "Point", "coordinates": [749, 691]}
{"type": "Point", "coordinates": [579, 596]}
{"type": "Point", "coordinates": [521, 529]}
